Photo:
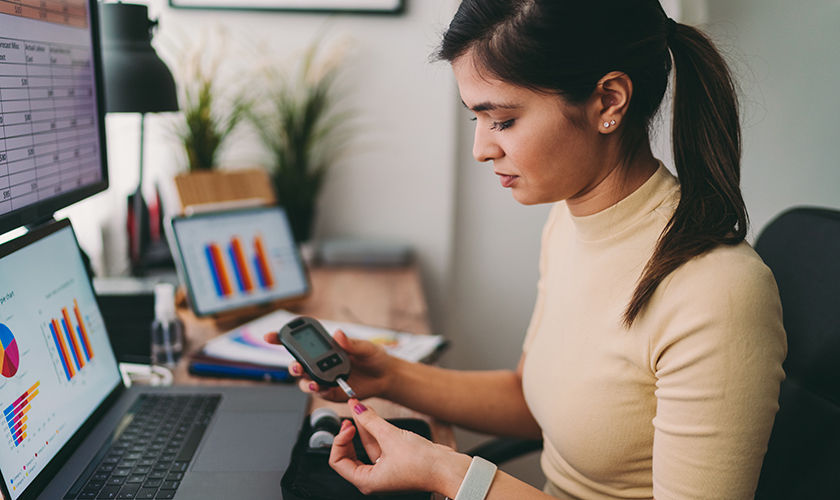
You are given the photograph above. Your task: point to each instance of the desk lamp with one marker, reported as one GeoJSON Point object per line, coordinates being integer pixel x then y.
{"type": "Point", "coordinates": [136, 81]}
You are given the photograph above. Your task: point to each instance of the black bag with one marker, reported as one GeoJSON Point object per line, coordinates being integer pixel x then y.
{"type": "Point", "coordinates": [310, 477]}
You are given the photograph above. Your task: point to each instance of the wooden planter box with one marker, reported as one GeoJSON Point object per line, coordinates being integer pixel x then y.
{"type": "Point", "coordinates": [251, 186]}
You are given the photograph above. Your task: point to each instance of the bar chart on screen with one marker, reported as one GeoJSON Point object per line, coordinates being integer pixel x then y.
{"type": "Point", "coordinates": [16, 416]}
{"type": "Point", "coordinates": [237, 268]}
{"type": "Point", "coordinates": [70, 340]}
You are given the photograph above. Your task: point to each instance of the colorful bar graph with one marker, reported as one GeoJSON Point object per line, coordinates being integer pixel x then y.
{"type": "Point", "coordinates": [73, 341]}
{"type": "Point", "coordinates": [83, 331]}
{"type": "Point", "coordinates": [261, 262]}
{"type": "Point", "coordinates": [62, 349]}
{"type": "Point", "coordinates": [219, 267]}
{"type": "Point", "coordinates": [15, 414]}
{"type": "Point", "coordinates": [240, 266]}
{"type": "Point", "coordinates": [217, 270]}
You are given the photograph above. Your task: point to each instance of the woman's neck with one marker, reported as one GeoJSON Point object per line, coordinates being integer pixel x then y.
{"type": "Point", "coordinates": [620, 181]}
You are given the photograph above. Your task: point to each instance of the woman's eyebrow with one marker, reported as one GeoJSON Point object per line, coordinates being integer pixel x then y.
{"type": "Point", "coordinates": [490, 106]}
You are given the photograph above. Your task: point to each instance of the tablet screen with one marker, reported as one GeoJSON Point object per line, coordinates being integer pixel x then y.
{"type": "Point", "coordinates": [238, 258]}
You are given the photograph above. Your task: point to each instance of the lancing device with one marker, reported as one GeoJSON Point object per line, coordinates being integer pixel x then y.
{"type": "Point", "coordinates": [319, 354]}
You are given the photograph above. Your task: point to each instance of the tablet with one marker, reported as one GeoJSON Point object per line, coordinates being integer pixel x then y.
{"type": "Point", "coordinates": [235, 259]}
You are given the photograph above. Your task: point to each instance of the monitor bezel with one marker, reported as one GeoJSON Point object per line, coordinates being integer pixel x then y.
{"type": "Point", "coordinates": [44, 210]}
{"type": "Point", "coordinates": [63, 455]}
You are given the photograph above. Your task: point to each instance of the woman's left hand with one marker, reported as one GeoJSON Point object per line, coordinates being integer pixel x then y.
{"type": "Point", "coordinates": [403, 461]}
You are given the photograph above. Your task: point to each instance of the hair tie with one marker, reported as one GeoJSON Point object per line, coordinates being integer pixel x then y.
{"type": "Point", "coordinates": [670, 29]}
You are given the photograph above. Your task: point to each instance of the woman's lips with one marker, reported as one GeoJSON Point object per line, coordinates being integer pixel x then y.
{"type": "Point", "coordinates": [507, 180]}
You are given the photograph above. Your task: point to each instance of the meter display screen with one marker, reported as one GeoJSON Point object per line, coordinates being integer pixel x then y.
{"type": "Point", "coordinates": [311, 342]}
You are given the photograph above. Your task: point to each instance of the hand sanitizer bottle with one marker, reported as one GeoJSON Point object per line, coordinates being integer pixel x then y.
{"type": "Point", "coordinates": [167, 330]}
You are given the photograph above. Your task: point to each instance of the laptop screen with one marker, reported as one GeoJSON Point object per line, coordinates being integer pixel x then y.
{"type": "Point", "coordinates": [56, 364]}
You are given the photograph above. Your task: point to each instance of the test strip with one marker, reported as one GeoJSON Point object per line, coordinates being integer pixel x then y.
{"type": "Point", "coordinates": [346, 387]}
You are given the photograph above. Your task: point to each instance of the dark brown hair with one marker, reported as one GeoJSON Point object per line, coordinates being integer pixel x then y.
{"type": "Point", "coordinates": [567, 46]}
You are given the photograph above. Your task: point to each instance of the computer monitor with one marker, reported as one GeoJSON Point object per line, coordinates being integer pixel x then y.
{"type": "Point", "coordinates": [52, 133]}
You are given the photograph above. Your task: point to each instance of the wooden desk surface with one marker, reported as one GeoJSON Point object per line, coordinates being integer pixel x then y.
{"type": "Point", "coordinates": [390, 298]}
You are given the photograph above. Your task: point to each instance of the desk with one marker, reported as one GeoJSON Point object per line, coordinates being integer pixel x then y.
{"type": "Point", "coordinates": [388, 298]}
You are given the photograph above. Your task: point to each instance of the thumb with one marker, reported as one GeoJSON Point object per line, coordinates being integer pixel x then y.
{"type": "Point", "coordinates": [353, 346]}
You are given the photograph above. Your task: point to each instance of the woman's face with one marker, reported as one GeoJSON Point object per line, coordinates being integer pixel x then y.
{"type": "Point", "coordinates": [535, 148]}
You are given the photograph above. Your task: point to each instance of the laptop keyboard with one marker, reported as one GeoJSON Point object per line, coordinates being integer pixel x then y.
{"type": "Point", "coordinates": [150, 450]}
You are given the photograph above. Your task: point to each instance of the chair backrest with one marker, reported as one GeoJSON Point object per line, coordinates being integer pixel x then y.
{"type": "Point", "coordinates": [802, 248]}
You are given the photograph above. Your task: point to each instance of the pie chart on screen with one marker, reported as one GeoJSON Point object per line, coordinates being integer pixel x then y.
{"type": "Point", "coordinates": [9, 354]}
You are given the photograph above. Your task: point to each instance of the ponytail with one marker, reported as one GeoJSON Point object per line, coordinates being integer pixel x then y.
{"type": "Point", "coordinates": [547, 45]}
{"type": "Point", "coordinates": [707, 153]}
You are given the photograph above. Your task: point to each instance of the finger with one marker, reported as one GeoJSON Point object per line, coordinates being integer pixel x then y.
{"type": "Point", "coordinates": [295, 369]}
{"type": "Point", "coordinates": [343, 442]}
{"type": "Point", "coordinates": [355, 347]}
{"type": "Point", "coordinates": [306, 385]}
{"type": "Point", "coordinates": [371, 445]}
{"type": "Point", "coordinates": [343, 340]}
{"type": "Point", "coordinates": [343, 455]}
{"type": "Point", "coordinates": [367, 419]}
{"type": "Point", "coordinates": [272, 338]}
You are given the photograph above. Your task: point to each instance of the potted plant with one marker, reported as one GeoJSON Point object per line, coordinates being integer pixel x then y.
{"type": "Point", "coordinates": [207, 120]}
{"type": "Point", "coordinates": [303, 131]}
{"type": "Point", "coordinates": [212, 109]}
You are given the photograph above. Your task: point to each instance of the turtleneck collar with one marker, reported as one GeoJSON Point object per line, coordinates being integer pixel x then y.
{"type": "Point", "coordinates": [617, 218]}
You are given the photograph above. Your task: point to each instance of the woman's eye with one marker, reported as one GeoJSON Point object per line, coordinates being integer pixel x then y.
{"type": "Point", "coordinates": [499, 126]}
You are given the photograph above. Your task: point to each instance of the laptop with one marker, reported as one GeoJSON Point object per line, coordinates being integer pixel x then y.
{"type": "Point", "coordinates": [70, 426]}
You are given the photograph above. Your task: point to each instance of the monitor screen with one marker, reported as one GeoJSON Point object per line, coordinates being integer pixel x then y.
{"type": "Point", "coordinates": [56, 363]}
{"type": "Point", "coordinates": [52, 149]}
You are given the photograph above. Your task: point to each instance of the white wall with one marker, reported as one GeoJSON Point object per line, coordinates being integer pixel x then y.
{"type": "Point", "coordinates": [785, 57]}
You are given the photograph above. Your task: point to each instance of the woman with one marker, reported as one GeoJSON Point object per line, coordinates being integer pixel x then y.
{"type": "Point", "coordinates": [652, 363]}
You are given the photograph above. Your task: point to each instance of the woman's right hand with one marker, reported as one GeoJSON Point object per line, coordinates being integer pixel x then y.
{"type": "Point", "coordinates": [370, 374]}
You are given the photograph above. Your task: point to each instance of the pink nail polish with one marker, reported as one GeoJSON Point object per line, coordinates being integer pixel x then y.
{"type": "Point", "coordinates": [359, 408]}
{"type": "Point", "coordinates": [313, 386]}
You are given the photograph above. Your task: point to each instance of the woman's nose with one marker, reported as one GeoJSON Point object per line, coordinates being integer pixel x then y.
{"type": "Point", "coordinates": [484, 147]}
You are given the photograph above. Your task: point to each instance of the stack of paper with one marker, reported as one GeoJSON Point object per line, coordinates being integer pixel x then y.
{"type": "Point", "coordinates": [246, 344]}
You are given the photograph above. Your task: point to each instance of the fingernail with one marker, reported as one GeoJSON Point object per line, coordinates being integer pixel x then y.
{"type": "Point", "coordinates": [294, 370]}
{"type": "Point", "coordinates": [313, 386]}
{"type": "Point", "coordinates": [359, 408]}
{"type": "Point", "coordinates": [345, 424]}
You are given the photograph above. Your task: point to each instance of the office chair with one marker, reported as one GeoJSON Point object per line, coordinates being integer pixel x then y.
{"type": "Point", "coordinates": [802, 248]}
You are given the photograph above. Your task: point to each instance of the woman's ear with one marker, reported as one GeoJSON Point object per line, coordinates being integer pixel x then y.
{"type": "Point", "coordinates": [610, 101]}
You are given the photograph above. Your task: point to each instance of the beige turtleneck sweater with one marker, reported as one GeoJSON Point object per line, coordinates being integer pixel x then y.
{"type": "Point", "coordinates": [681, 404]}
